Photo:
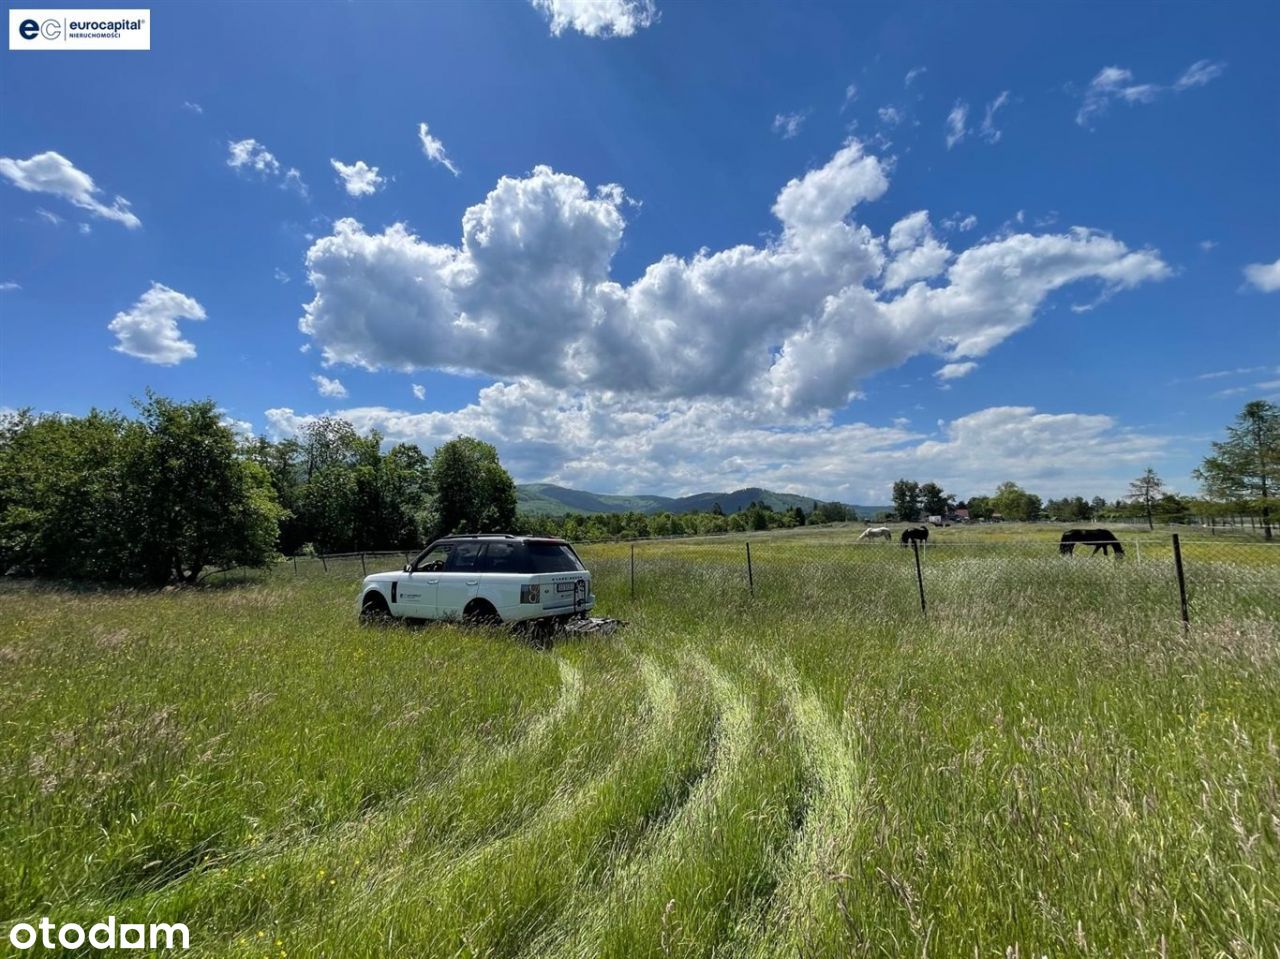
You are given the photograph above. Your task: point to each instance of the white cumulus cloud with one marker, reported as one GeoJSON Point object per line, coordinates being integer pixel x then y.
{"type": "Point", "coordinates": [51, 172]}
{"type": "Point", "coordinates": [794, 323]}
{"type": "Point", "coordinates": [149, 329]}
{"type": "Point", "coordinates": [329, 387]}
{"type": "Point", "coordinates": [434, 149]}
{"type": "Point", "coordinates": [359, 179]}
{"type": "Point", "coordinates": [1264, 276]}
{"type": "Point", "coordinates": [419, 391]}
{"type": "Point", "coordinates": [597, 18]}
{"type": "Point", "coordinates": [250, 156]}
{"type": "Point", "coordinates": [600, 440]}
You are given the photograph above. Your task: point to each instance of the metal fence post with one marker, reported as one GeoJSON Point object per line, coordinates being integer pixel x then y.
{"type": "Point", "coordinates": [1182, 583]}
{"type": "Point", "coordinates": [633, 570]}
{"type": "Point", "coordinates": [363, 571]}
{"type": "Point", "coordinates": [295, 565]}
{"type": "Point", "coordinates": [915, 548]}
{"type": "Point", "coordinates": [751, 582]}
{"type": "Point", "coordinates": [323, 563]}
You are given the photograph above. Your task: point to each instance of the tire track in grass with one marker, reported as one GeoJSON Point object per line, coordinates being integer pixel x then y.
{"type": "Point", "coordinates": [498, 898]}
{"type": "Point", "coordinates": [239, 893]}
{"type": "Point", "coordinates": [679, 895]}
{"type": "Point", "coordinates": [808, 913]}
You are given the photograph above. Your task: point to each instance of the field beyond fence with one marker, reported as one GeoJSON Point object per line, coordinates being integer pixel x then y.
{"type": "Point", "coordinates": [959, 573]}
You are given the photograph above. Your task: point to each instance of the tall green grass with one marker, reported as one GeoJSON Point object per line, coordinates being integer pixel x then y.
{"type": "Point", "coordinates": [1043, 764]}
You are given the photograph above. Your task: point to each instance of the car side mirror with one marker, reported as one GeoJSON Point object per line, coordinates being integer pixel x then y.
{"type": "Point", "coordinates": [408, 567]}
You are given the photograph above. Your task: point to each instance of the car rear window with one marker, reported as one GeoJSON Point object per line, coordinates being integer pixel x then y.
{"type": "Point", "coordinates": [552, 558]}
{"type": "Point", "coordinates": [504, 558]}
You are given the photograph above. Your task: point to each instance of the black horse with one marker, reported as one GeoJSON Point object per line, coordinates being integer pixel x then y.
{"type": "Point", "coordinates": [1099, 539]}
{"type": "Point", "coordinates": [920, 534]}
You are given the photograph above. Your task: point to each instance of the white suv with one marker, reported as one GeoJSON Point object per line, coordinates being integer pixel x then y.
{"type": "Point", "coordinates": [496, 578]}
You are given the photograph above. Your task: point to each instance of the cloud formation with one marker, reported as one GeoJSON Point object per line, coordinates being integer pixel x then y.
{"type": "Point", "coordinates": [52, 173]}
{"type": "Point", "coordinates": [249, 157]}
{"type": "Point", "coordinates": [957, 123]}
{"type": "Point", "coordinates": [434, 150]}
{"type": "Point", "coordinates": [953, 371]}
{"type": "Point", "coordinates": [789, 124]}
{"type": "Point", "coordinates": [358, 179]}
{"type": "Point", "coordinates": [605, 441]}
{"type": "Point", "coordinates": [1117, 83]}
{"type": "Point", "coordinates": [149, 329]}
{"type": "Point", "coordinates": [1264, 276]}
{"type": "Point", "coordinates": [989, 131]}
{"type": "Point", "coordinates": [329, 387]}
{"type": "Point", "coordinates": [794, 324]}
{"type": "Point", "coordinates": [597, 18]}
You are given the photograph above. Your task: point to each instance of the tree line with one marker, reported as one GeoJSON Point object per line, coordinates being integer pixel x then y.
{"type": "Point", "coordinates": [172, 493]}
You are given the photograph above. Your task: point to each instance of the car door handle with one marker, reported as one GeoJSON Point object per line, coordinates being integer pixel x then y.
{"type": "Point", "coordinates": [472, 582]}
{"type": "Point", "coordinates": [432, 582]}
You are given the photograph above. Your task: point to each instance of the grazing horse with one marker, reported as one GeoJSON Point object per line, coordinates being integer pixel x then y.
{"type": "Point", "coordinates": [918, 535]}
{"type": "Point", "coordinates": [877, 532]}
{"type": "Point", "coordinates": [1099, 539]}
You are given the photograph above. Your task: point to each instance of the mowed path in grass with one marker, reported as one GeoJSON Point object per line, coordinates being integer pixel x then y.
{"type": "Point", "coordinates": [1045, 762]}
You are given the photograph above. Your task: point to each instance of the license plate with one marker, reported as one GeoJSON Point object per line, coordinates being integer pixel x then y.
{"type": "Point", "coordinates": [564, 587]}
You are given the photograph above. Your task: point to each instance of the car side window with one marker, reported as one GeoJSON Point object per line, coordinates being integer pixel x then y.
{"type": "Point", "coordinates": [434, 561]}
{"type": "Point", "coordinates": [464, 558]}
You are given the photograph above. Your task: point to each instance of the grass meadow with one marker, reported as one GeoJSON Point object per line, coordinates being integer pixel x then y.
{"type": "Point", "coordinates": [1043, 764]}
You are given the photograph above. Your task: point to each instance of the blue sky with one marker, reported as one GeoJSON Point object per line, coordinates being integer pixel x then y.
{"type": "Point", "coordinates": [667, 247]}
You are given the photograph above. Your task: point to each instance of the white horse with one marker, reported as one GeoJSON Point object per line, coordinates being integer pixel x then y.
{"type": "Point", "coordinates": [877, 532]}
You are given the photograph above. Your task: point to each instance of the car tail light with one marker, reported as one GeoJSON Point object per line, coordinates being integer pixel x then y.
{"type": "Point", "coordinates": [531, 594]}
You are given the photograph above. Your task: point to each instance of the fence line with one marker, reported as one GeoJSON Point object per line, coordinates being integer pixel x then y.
{"type": "Point", "coordinates": [1192, 579]}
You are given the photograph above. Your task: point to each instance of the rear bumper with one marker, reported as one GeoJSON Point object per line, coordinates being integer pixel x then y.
{"type": "Point", "coordinates": [527, 611]}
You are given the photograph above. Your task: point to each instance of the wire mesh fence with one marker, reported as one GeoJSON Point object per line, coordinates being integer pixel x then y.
{"type": "Point", "coordinates": [986, 580]}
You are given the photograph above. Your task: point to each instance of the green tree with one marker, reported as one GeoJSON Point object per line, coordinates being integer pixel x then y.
{"type": "Point", "coordinates": [906, 500]}
{"type": "Point", "coordinates": [1144, 491]}
{"type": "Point", "coordinates": [1243, 467]}
{"type": "Point", "coordinates": [980, 507]}
{"type": "Point", "coordinates": [63, 495]}
{"type": "Point", "coordinates": [473, 493]}
{"type": "Point", "coordinates": [935, 501]}
{"type": "Point", "coordinates": [1013, 502]}
{"type": "Point", "coordinates": [195, 503]}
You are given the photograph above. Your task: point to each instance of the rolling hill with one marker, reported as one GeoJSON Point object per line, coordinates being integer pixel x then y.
{"type": "Point", "coordinates": [546, 499]}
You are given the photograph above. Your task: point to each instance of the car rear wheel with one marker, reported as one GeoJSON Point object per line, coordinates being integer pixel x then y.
{"type": "Point", "coordinates": [480, 612]}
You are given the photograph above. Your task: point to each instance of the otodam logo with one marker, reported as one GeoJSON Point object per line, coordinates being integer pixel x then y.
{"type": "Point", "coordinates": [79, 29]}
